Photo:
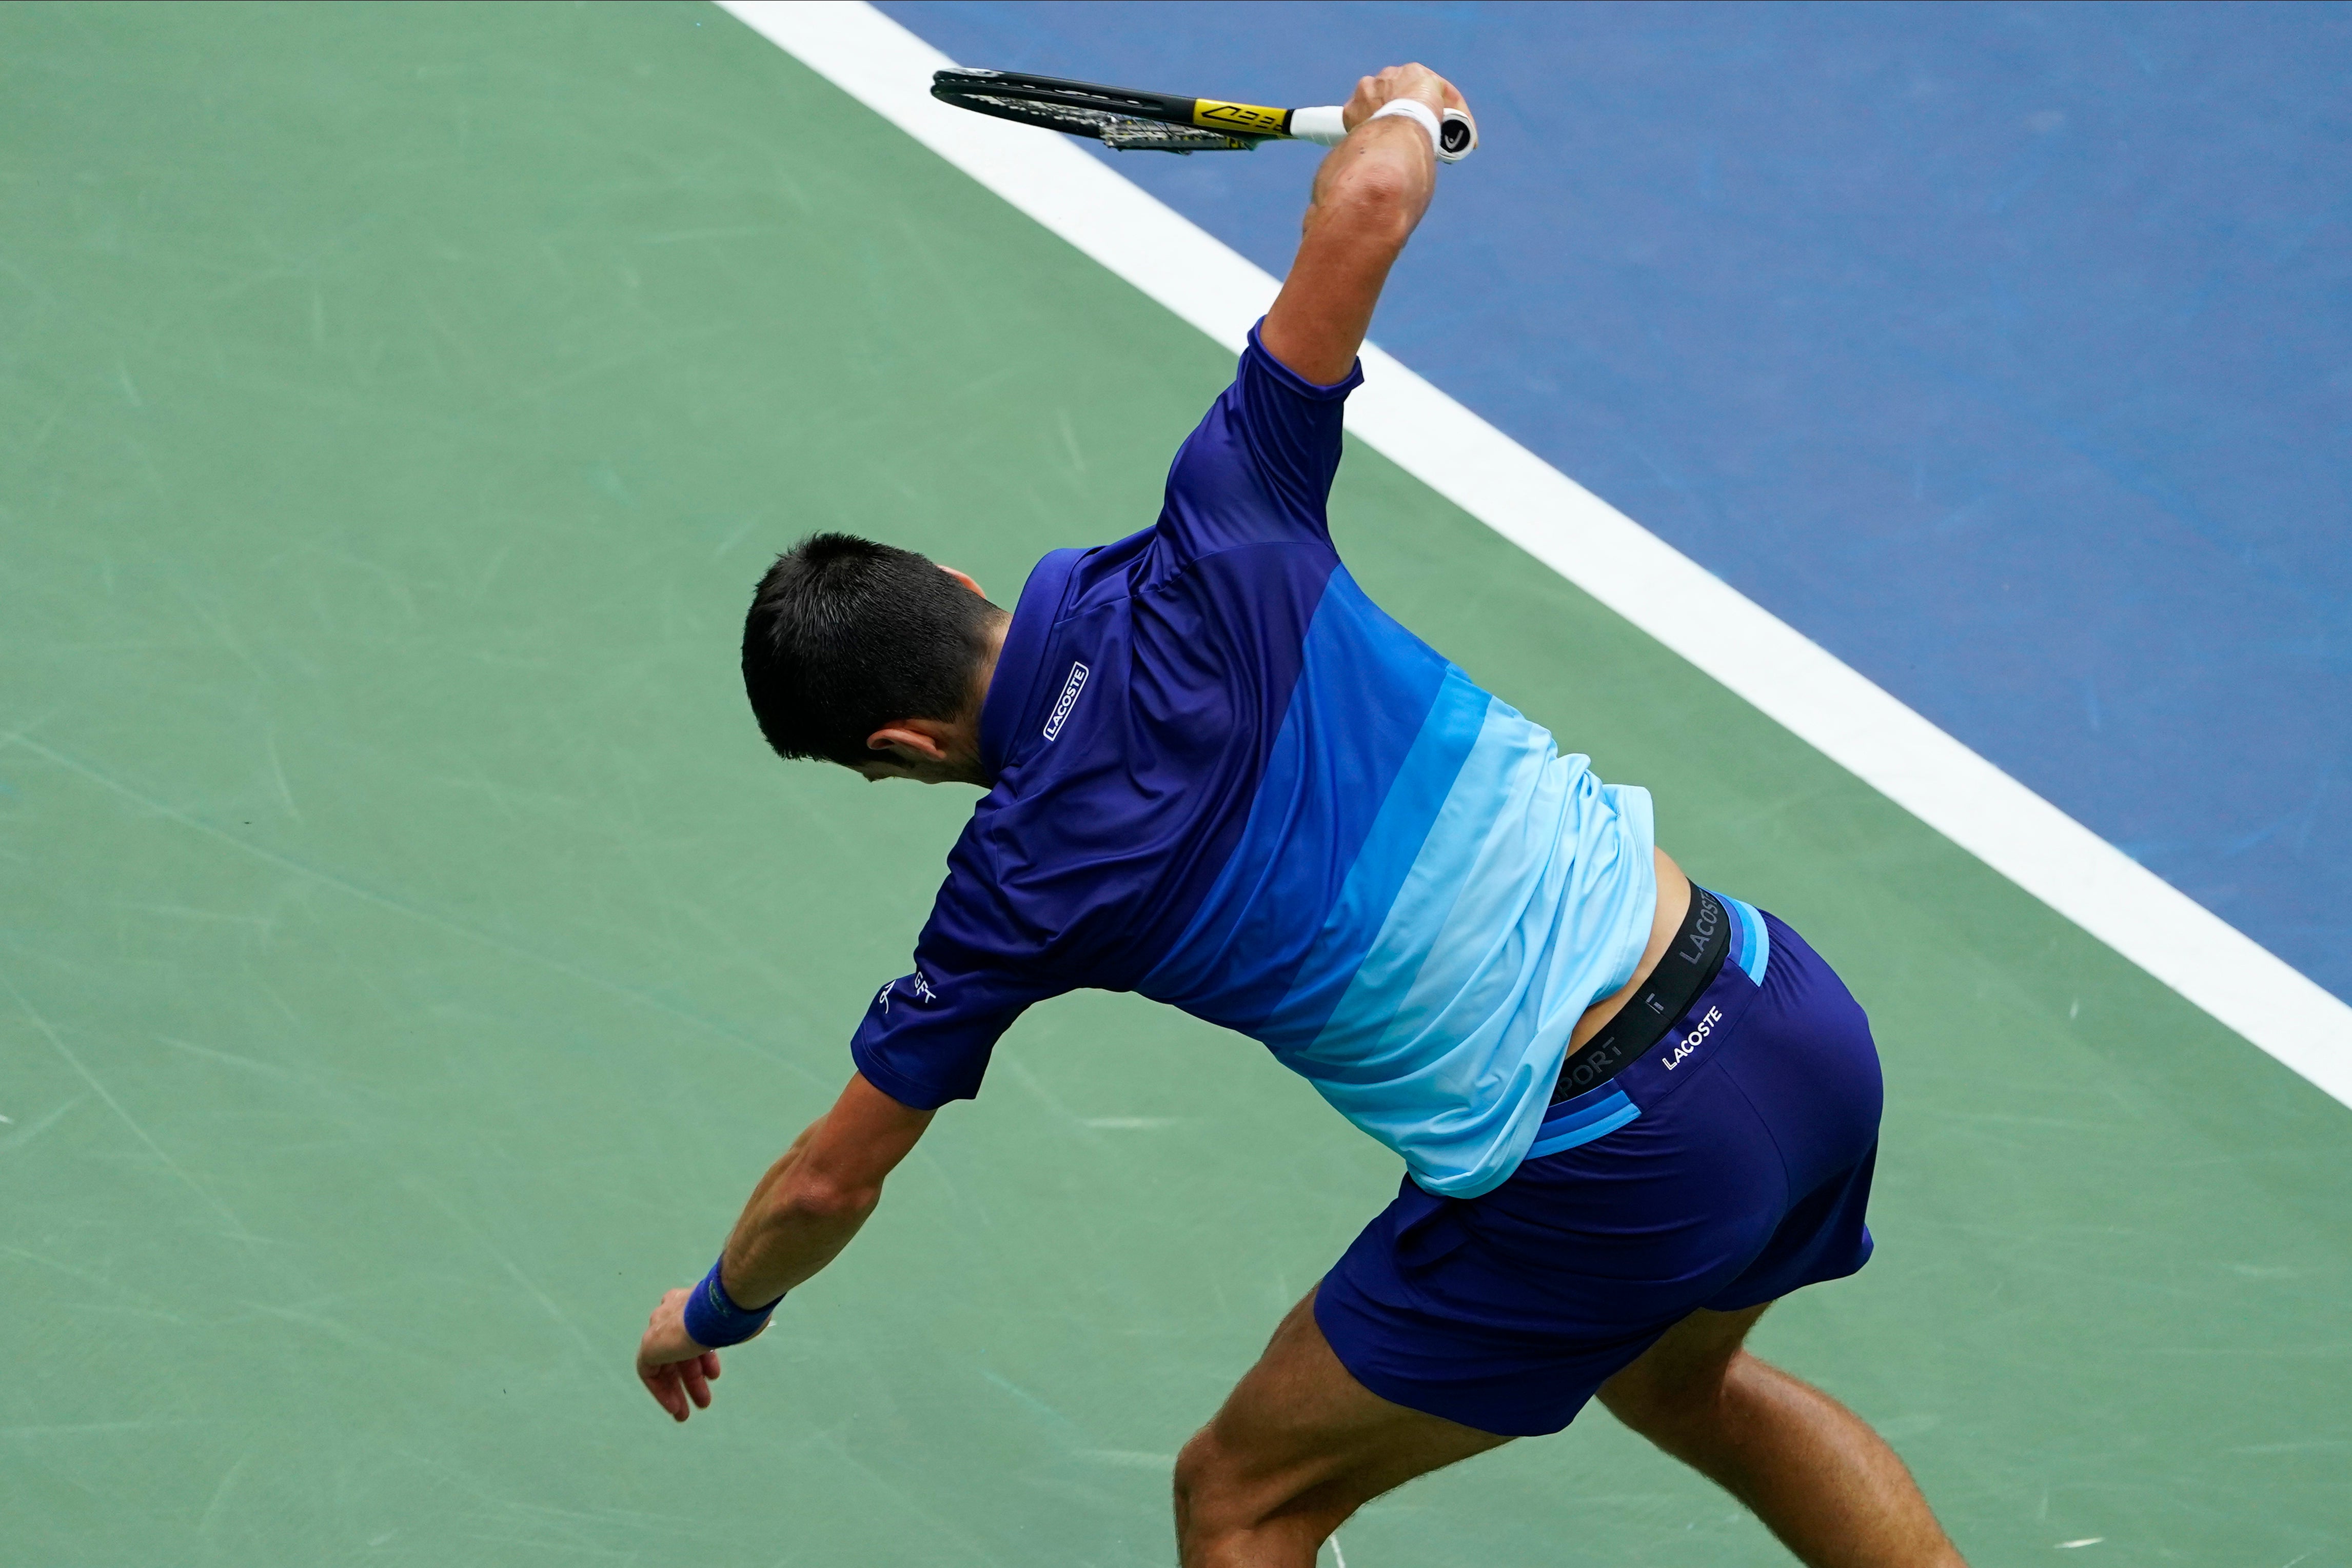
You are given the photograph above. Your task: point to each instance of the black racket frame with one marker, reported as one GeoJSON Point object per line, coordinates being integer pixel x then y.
{"type": "Point", "coordinates": [1030, 99]}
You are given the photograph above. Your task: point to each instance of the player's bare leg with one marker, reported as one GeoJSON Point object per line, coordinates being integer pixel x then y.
{"type": "Point", "coordinates": [1298, 1447]}
{"type": "Point", "coordinates": [1812, 1469]}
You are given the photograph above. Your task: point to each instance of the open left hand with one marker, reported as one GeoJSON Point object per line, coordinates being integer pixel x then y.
{"type": "Point", "coordinates": [674, 1368]}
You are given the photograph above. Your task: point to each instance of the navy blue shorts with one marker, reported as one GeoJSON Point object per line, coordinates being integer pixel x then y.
{"type": "Point", "coordinates": [1728, 1165]}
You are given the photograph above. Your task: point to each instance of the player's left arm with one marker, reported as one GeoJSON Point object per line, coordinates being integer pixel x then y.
{"type": "Point", "coordinates": [800, 1217]}
{"type": "Point", "coordinates": [1369, 195]}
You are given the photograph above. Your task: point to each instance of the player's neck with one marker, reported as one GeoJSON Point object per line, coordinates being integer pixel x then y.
{"type": "Point", "coordinates": [992, 650]}
{"type": "Point", "coordinates": [972, 768]}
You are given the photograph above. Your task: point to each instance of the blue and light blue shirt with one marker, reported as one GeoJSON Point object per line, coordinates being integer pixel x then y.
{"type": "Point", "coordinates": [1226, 779]}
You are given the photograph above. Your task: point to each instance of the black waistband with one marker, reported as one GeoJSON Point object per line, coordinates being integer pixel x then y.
{"type": "Point", "coordinates": [1691, 962]}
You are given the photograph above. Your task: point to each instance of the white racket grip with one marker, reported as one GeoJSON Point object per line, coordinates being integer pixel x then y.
{"type": "Point", "coordinates": [1327, 128]}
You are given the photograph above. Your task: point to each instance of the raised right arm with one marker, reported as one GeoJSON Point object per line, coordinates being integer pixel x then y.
{"type": "Point", "coordinates": [1369, 195]}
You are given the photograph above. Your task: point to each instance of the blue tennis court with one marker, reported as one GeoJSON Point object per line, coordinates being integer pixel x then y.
{"type": "Point", "coordinates": [1999, 347]}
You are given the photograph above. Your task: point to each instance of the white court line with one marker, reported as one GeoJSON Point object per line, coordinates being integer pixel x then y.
{"type": "Point", "coordinates": [1601, 550]}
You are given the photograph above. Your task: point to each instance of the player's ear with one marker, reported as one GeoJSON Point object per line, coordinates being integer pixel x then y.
{"type": "Point", "coordinates": [963, 577]}
{"type": "Point", "coordinates": [910, 740]}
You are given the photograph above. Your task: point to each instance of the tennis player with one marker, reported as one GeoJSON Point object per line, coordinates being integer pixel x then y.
{"type": "Point", "coordinates": [1632, 1112]}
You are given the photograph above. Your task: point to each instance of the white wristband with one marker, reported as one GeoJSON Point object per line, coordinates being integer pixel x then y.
{"type": "Point", "coordinates": [1412, 108]}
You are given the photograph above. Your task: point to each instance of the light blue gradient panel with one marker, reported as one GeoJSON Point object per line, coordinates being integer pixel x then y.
{"type": "Point", "coordinates": [1751, 944]}
{"type": "Point", "coordinates": [1530, 898]}
{"type": "Point", "coordinates": [1491, 892]}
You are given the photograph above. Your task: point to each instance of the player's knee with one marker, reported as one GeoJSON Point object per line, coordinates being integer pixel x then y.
{"type": "Point", "coordinates": [1210, 1508]}
{"type": "Point", "coordinates": [1204, 1477]}
{"type": "Point", "coordinates": [1220, 1497]}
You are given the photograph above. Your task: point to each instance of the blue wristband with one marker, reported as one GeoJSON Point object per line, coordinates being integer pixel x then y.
{"type": "Point", "coordinates": [712, 1318]}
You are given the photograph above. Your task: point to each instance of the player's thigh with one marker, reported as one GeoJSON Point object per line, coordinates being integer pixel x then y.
{"type": "Point", "coordinates": [1298, 1430]}
{"type": "Point", "coordinates": [1682, 1370]}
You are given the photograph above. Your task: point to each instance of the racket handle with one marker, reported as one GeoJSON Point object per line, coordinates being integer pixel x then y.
{"type": "Point", "coordinates": [1326, 127]}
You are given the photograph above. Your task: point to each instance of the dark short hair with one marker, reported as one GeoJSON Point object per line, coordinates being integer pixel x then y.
{"type": "Point", "coordinates": [845, 636]}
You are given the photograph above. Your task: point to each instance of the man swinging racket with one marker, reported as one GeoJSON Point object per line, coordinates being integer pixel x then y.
{"type": "Point", "coordinates": [1632, 1112]}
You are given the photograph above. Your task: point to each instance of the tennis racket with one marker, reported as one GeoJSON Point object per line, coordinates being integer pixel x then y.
{"type": "Point", "coordinates": [1135, 121]}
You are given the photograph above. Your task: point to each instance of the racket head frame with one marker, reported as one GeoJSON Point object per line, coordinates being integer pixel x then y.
{"type": "Point", "coordinates": [1123, 118]}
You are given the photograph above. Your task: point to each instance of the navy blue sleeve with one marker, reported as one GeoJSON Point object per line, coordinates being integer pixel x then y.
{"type": "Point", "coordinates": [1258, 468]}
{"type": "Point", "coordinates": [927, 1037]}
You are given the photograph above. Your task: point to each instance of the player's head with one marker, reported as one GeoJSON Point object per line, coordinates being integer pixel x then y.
{"type": "Point", "coordinates": [869, 656]}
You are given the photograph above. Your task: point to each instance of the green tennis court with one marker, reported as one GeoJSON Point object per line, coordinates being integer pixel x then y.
{"type": "Point", "coordinates": [411, 950]}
